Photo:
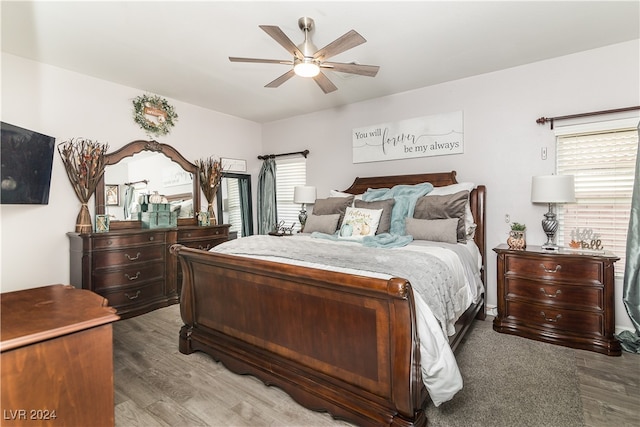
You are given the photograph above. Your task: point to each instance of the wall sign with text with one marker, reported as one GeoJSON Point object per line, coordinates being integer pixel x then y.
{"type": "Point", "coordinates": [435, 135]}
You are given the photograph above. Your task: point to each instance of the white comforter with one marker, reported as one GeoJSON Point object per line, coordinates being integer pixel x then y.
{"type": "Point", "coordinates": [440, 372]}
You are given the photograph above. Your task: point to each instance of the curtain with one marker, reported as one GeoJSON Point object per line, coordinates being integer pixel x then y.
{"type": "Point", "coordinates": [243, 193]}
{"type": "Point", "coordinates": [267, 203]}
{"type": "Point", "coordinates": [631, 281]}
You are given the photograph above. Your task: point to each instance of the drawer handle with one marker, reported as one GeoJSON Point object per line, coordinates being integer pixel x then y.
{"type": "Point", "coordinates": [151, 238]}
{"type": "Point", "coordinates": [133, 296]}
{"type": "Point", "coordinates": [549, 319]}
{"type": "Point", "coordinates": [558, 292]}
{"type": "Point", "coordinates": [558, 268]}
{"type": "Point", "coordinates": [132, 258]}
{"type": "Point", "coordinates": [132, 277]}
{"type": "Point", "coordinates": [205, 248]}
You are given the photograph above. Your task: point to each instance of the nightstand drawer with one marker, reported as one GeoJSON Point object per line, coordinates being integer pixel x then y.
{"type": "Point", "coordinates": [128, 256]}
{"type": "Point", "coordinates": [548, 317]}
{"type": "Point", "coordinates": [555, 268]}
{"type": "Point", "coordinates": [573, 296]}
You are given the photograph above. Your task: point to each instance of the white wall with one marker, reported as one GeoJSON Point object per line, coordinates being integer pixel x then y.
{"type": "Point", "coordinates": [34, 246]}
{"type": "Point", "coordinates": [502, 142]}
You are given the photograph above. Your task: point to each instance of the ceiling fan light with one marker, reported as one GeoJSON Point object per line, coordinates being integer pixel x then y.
{"type": "Point", "coordinates": [306, 68]}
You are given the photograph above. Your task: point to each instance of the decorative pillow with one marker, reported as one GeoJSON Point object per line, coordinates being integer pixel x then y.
{"type": "Point", "coordinates": [442, 207]}
{"type": "Point", "coordinates": [332, 205]}
{"type": "Point", "coordinates": [327, 224]}
{"type": "Point", "coordinates": [470, 226]}
{"type": "Point", "coordinates": [405, 197]}
{"type": "Point", "coordinates": [385, 218]}
{"type": "Point", "coordinates": [436, 230]}
{"type": "Point", "coordinates": [360, 222]}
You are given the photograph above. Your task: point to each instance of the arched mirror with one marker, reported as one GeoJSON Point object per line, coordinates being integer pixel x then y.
{"type": "Point", "coordinates": [142, 168]}
{"type": "Point", "coordinates": [234, 203]}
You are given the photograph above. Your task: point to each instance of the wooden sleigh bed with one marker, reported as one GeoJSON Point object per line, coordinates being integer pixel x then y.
{"type": "Point", "coordinates": [359, 360]}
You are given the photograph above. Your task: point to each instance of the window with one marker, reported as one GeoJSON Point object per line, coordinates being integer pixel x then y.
{"type": "Point", "coordinates": [603, 163]}
{"type": "Point", "coordinates": [289, 173]}
{"type": "Point", "coordinates": [232, 209]}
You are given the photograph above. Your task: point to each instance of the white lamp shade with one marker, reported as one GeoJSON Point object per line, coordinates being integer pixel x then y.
{"type": "Point", "coordinates": [553, 189]}
{"type": "Point", "coordinates": [304, 194]}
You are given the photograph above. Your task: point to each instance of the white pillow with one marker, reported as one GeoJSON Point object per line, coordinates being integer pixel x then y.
{"type": "Point", "coordinates": [469, 225]}
{"type": "Point", "coordinates": [360, 222]}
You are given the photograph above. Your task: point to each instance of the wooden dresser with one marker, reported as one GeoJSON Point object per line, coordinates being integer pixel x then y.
{"type": "Point", "coordinates": [57, 358]}
{"type": "Point", "coordinates": [564, 298]}
{"type": "Point", "coordinates": [133, 268]}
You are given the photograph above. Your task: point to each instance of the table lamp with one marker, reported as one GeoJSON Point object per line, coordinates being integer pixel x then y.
{"type": "Point", "coordinates": [304, 195]}
{"type": "Point", "coordinates": [552, 189]}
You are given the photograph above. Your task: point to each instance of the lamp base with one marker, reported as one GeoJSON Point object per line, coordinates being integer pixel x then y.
{"type": "Point", "coordinates": [550, 247]}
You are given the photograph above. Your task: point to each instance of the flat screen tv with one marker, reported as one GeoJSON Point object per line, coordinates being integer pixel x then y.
{"type": "Point", "coordinates": [26, 161]}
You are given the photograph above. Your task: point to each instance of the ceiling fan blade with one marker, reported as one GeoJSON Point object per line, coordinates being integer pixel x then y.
{"type": "Point", "coordinates": [363, 70]}
{"type": "Point", "coordinates": [262, 61]}
{"type": "Point", "coordinates": [278, 35]}
{"type": "Point", "coordinates": [325, 84]}
{"type": "Point", "coordinates": [283, 78]}
{"type": "Point", "coordinates": [339, 45]}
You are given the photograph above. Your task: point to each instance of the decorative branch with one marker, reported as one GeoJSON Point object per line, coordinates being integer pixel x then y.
{"type": "Point", "coordinates": [210, 171]}
{"type": "Point", "coordinates": [83, 161]}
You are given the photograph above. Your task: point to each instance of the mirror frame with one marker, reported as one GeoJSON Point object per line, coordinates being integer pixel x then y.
{"type": "Point", "coordinates": [136, 147]}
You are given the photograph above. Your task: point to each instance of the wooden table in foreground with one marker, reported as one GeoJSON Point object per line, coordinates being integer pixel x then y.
{"type": "Point", "coordinates": [57, 358]}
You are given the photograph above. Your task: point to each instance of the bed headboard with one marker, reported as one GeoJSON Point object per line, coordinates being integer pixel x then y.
{"type": "Point", "coordinates": [439, 179]}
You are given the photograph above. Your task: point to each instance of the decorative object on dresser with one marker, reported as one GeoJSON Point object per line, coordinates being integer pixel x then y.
{"type": "Point", "coordinates": [551, 189]}
{"type": "Point", "coordinates": [517, 237]}
{"type": "Point", "coordinates": [84, 162]}
{"type": "Point", "coordinates": [57, 358]}
{"type": "Point", "coordinates": [303, 194]}
{"type": "Point", "coordinates": [210, 171]}
{"type": "Point", "coordinates": [130, 264]}
{"type": "Point", "coordinates": [563, 298]}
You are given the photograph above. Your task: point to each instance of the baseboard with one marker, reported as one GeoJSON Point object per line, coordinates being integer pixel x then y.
{"type": "Point", "coordinates": [491, 310]}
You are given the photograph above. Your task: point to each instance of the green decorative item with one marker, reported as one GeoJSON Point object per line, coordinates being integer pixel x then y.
{"type": "Point", "coordinates": [154, 114]}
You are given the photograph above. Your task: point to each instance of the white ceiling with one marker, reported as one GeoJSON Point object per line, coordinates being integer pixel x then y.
{"type": "Point", "coordinates": [180, 49]}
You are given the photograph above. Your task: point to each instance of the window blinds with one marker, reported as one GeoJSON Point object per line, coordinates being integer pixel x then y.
{"type": "Point", "coordinates": [289, 173]}
{"type": "Point", "coordinates": [603, 164]}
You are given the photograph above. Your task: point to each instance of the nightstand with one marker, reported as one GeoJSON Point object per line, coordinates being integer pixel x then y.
{"type": "Point", "coordinates": [564, 297]}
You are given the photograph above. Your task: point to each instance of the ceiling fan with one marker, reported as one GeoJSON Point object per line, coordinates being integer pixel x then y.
{"type": "Point", "coordinates": [309, 61]}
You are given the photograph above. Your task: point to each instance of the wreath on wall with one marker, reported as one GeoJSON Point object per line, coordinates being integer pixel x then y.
{"type": "Point", "coordinates": [154, 114]}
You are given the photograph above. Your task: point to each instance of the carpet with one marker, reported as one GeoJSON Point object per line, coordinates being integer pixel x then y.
{"type": "Point", "coordinates": [511, 381]}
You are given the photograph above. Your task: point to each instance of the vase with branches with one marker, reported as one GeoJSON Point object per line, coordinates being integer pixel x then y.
{"type": "Point", "coordinates": [210, 172]}
{"type": "Point", "coordinates": [83, 161]}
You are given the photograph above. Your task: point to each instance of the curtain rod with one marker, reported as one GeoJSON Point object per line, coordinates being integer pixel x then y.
{"type": "Point", "coordinates": [146, 181]}
{"type": "Point", "coordinates": [271, 156]}
{"type": "Point", "coordinates": [543, 120]}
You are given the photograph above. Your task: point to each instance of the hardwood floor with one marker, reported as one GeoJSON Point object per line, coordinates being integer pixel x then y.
{"type": "Point", "coordinates": [155, 385]}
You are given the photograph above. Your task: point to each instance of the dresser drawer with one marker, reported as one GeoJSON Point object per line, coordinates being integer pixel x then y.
{"type": "Point", "coordinates": [119, 241]}
{"type": "Point", "coordinates": [204, 245]}
{"type": "Point", "coordinates": [199, 233]}
{"type": "Point", "coordinates": [136, 294]}
{"type": "Point", "coordinates": [555, 268]}
{"type": "Point", "coordinates": [127, 276]}
{"type": "Point", "coordinates": [574, 296]}
{"type": "Point", "coordinates": [549, 317]}
{"type": "Point", "coordinates": [128, 256]}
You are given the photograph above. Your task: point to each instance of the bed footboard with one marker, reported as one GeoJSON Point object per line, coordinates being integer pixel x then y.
{"type": "Point", "coordinates": [334, 342]}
